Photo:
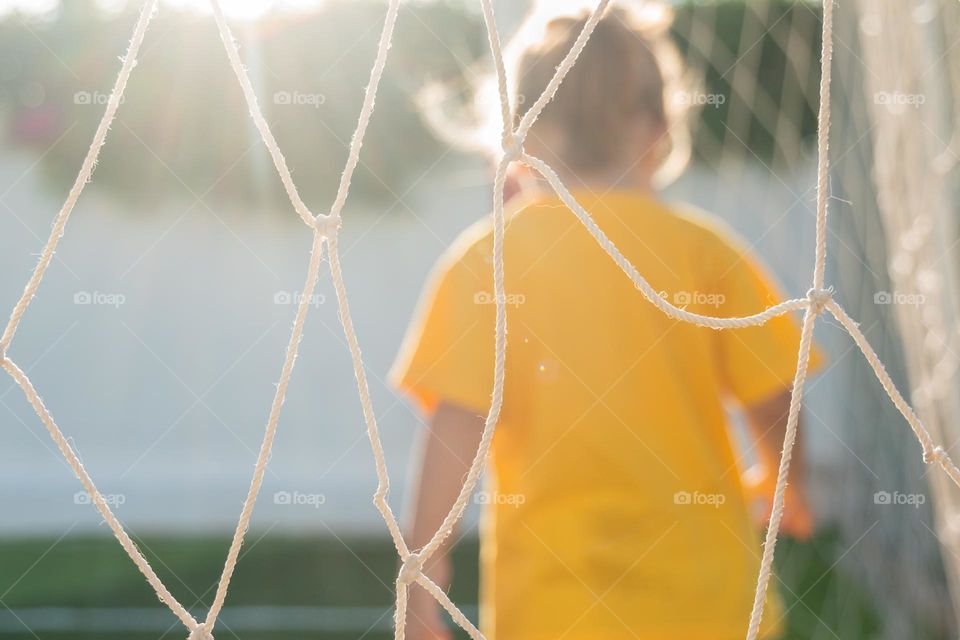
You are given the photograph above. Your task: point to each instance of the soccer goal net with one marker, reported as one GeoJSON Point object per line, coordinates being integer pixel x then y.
{"type": "Point", "coordinates": [803, 108]}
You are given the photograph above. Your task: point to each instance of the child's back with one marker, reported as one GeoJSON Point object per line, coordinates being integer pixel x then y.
{"type": "Point", "coordinates": [613, 474]}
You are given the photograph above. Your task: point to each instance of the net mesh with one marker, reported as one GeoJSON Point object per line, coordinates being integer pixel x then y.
{"type": "Point", "coordinates": [769, 119]}
{"type": "Point", "coordinates": [910, 92]}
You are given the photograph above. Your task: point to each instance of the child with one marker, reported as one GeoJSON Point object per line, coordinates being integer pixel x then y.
{"type": "Point", "coordinates": [614, 507]}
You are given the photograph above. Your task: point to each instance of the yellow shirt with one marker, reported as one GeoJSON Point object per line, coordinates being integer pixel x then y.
{"type": "Point", "coordinates": [614, 507]}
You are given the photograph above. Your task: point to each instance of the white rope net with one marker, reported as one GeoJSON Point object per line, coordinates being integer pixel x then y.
{"type": "Point", "coordinates": [914, 174]}
{"type": "Point", "coordinates": [325, 232]}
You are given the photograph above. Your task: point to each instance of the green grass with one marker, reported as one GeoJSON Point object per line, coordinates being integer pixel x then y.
{"type": "Point", "coordinates": [300, 571]}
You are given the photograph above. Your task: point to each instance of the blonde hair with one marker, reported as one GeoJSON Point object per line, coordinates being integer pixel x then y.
{"type": "Point", "coordinates": [629, 74]}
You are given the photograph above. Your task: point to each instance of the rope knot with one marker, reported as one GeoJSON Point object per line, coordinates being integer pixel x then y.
{"type": "Point", "coordinates": [818, 299]}
{"type": "Point", "coordinates": [938, 454]}
{"type": "Point", "coordinates": [200, 632]}
{"type": "Point", "coordinates": [326, 224]}
{"type": "Point", "coordinates": [512, 147]}
{"type": "Point", "coordinates": [411, 568]}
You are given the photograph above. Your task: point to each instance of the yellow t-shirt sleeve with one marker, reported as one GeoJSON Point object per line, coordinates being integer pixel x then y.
{"type": "Point", "coordinates": [755, 362]}
{"type": "Point", "coordinates": [447, 354]}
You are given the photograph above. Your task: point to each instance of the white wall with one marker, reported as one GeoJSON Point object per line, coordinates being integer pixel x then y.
{"type": "Point", "coordinates": [166, 395]}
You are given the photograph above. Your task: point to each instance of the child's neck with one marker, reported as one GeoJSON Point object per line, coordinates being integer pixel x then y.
{"type": "Point", "coordinates": [603, 182]}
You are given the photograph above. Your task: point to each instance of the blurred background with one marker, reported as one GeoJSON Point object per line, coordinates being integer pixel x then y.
{"type": "Point", "coordinates": [158, 333]}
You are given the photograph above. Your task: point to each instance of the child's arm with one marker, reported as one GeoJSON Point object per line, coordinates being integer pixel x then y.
{"type": "Point", "coordinates": [448, 444]}
{"type": "Point", "coordinates": [767, 421]}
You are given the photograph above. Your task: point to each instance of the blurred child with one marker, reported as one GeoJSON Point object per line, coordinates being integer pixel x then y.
{"type": "Point", "coordinates": [614, 506]}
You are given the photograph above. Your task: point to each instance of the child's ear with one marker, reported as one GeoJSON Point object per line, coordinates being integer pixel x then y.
{"type": "Point", "coordinates": [655, 143]}
{"type": "Point", "coordinates": [660, 141]}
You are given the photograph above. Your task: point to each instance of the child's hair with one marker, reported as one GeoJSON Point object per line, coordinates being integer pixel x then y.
{"type": "Point", "coordinates": [629, 74]}
{"type": "Point", "coordinates": [626, 75]}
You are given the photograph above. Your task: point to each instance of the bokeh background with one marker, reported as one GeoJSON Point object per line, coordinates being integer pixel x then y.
{"type": "Point", "coordinates": [159, 330]}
